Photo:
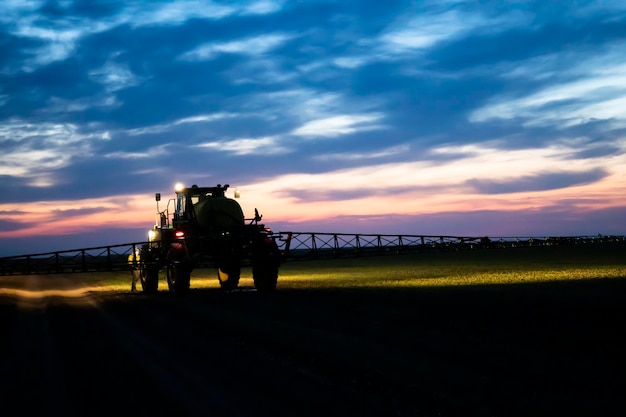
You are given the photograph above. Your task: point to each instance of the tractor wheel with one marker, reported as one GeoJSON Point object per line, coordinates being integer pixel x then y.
{"type": "Point", "coordinates": [229, 277]}
{"type": "Point", "coordinates": [265, 275]}
{"type": "Point", "coordinates": [149, 277]}
{"type": "Point", "coordinates": [178, 278]}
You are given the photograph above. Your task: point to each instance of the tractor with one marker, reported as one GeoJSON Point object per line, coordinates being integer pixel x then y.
{"type": "Point", "coordinates": [202, 227]}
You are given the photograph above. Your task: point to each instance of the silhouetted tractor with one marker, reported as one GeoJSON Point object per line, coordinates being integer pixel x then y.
{"type": "Point", "coordinates": [202, 227]}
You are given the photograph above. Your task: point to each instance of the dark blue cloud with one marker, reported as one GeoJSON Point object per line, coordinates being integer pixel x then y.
{"type": "Point", "coordinates": [383, 191]}
{"type": "Point", "coordinates": [47, 243]}
{"type": "Point", "coordinates": [560, 34]}
{"type": "Point", "coordinates": [542, 182]}
{"type": "Point", "coordinates": [83, 8]}
{"type": "Point", "coordinates": [8, 225]}
{"type": "Point", "coordinates": [551, 221]}
{"type": "Point", "coordinates": [606, 150]}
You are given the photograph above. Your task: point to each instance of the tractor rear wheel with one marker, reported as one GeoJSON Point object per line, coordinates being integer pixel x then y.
{"type": "Point", "coordinates": [178, 277]}
{"type": "Point", "coordinates": [149, 277]}
{"type": "Point", "coordinates": [265, 274]}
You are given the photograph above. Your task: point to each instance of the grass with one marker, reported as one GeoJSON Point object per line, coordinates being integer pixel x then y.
{"type": "Point", "coordinates": [437, 269]}
{"type": "Point", "coordinates": [507, 266]}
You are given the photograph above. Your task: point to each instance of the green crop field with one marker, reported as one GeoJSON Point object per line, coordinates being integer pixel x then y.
{"type": "Point", "coordinates": [506, 266]}
{"type": "Point", "coordinates": [437, 269]}
{"type": "Point", "coordinates": [474, 267]}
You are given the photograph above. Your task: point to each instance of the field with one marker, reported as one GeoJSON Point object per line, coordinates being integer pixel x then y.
{"type": "Point", "coordinates": [515, 332]}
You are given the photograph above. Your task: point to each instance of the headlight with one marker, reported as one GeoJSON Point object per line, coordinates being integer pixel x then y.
{"type": "Point", "coordinates": [151, 235]}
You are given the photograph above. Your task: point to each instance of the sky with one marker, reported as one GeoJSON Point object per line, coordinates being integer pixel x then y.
{"type": "Point", "coordinates": [461, 118]}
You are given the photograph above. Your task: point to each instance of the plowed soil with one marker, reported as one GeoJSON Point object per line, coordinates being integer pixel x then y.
{"type": "Point", "coordinates": [518, 350]}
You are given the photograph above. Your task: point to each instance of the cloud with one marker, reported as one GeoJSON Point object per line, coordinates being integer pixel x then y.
{"type": "Point", "coordinates": [58, 33]}
{"type": "Point", "coordinates": [53, 38]}
{"type": "Point", "coordinates": [263, 7]}
{"type": "Point", "coordinates": [114, 76]}
{"type": "Point", "coordinates": [35, 150]}
{"type": "Point", "coordinates": [339, 125]}
{"type": "Point", "coordinates": [62, 217]}
{"type": "Point", "coordinates": [10, 221]}
{"type": "Point", "coordinates": [161, 128]}
{"type": "Point", "coordinates": [248, 146]}
{"type": "Point", "coordinates": [418, 32]}
{"type": "Point", "coordinates": [541, 182]}
{"type": "Point", "coordinates": [176, 13]}
{"type": "Point", "coordinates": [257, 45]}
{"type": "Point", "coordinates": [355, 156]}
{"type": "Point", "coordinates": [421, 32]}
{"type": "Point", "coordinates": [480, 177]}
{"type": "Point", "coordinates": [592, 89]}
{"type": "Point", "coordinates": [57, 105]}
{"type": "Point", "coordinates": [298, 104]}
{"type": "Point", "coordinates": [151, 152]}
{"type": "Point", "coordinates": [350, 62]}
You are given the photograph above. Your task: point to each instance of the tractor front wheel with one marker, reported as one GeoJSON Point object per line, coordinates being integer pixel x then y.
{"type": "Point", "coordinates": [149, 277]}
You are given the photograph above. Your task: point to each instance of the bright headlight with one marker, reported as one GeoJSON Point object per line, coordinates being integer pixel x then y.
{"type": "Point", "coordinates": [151, 235]}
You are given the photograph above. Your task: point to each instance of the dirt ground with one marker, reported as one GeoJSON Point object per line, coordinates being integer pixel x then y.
{"type": "Point", "coordinates": [550, 349]}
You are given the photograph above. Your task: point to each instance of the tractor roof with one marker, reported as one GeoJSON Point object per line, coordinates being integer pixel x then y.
{"type": "Point", "coordinates": [217, 191]}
